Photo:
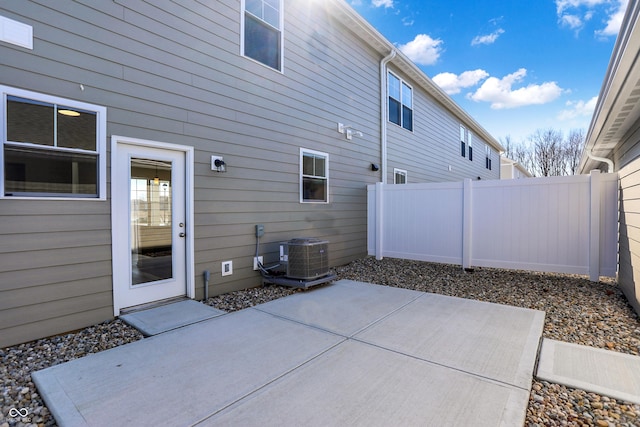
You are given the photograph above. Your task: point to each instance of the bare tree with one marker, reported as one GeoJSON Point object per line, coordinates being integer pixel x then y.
{"type": "Point", "coordinates": [508, 146]}
{"type": "Point", "coordinates": [573, 150]}
{"type": "Point", "coordinates": [546, 152]}
{"type": "Point", "coordinates": [518, 152]}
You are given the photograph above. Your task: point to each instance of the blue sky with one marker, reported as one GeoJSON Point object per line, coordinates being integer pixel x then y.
{"type": "Point", "coordinates": [514, 65]}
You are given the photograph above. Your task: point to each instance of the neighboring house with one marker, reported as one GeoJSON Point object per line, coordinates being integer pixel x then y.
{"type": "Point", "coordinates": [613, 144]}
{"type": "Point", "coordinates": [143, 141]}
{"type": "Point", "coordinates": [510, 169]}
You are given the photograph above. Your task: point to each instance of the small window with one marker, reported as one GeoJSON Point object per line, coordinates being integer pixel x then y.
{"type": "Point", "coordinates": [400, 103]}
{"type": "Point", "coordinates": [314, 176]}
{"type": "Point", "coordinates": [52, 147]}
{"type": "Point", "coordinates": [262, 32]}
{"type": "Point", "coordinates": [463, 137]}
{"type": "Point", "coordinates": [487, 163]}
{"type": "Point", "coordinates": [399, 176]}
{"type": "Point", "coordinates": [470, 138]}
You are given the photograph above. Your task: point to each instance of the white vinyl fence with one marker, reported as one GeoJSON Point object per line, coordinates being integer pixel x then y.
{"type": "Point", "coordinates": [554, 224]}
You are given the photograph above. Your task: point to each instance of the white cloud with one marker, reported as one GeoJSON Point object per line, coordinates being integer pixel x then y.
{"type": "Point", "coordinates": [453, 84]}
{"type": "Point", "coordinates": [501, 95]}
{"type": "Point", "coordinates": [407, 22]}
{"type": "Point", "coordinates": [422, 50]}
{"type": "Point", "coordinates": [578, 109]}
{"type": "Point", "coordinates": [615, 20]}
{"type": "Point", "coordinates": [571, 21]}
{"type": "Point", "coordinates": [574, 13]}
{"type": "Point", "coordinates": [487, 39]}
{"type": "Point", "coordinates": [382, 3]}
{"type": "Point", "coordinates": [562, 5]}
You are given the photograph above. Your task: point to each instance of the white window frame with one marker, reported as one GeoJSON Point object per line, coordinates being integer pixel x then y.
{"type": "Point", "coordinates": [463, 141]}
{"type": "Point", "coordinates": [101, 139]}
{"type": "Point", "coordinates": [304, 151]}
{"type": "Point", "coordinates": [488, 157]}
{"type": "Point", "coordinates": [402, 104]}
{"type": "Point", "coordinates": [400, 172]}
{"type": "Point", "coordinates": [280, 30]}
{"type": "Point", "coordinates": [470, 145]}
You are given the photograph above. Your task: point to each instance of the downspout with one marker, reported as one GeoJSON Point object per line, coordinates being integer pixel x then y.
{"type": "Point", "coordinates": [383, 114]}
{"type": "Point", "coordinates": [609, 162]}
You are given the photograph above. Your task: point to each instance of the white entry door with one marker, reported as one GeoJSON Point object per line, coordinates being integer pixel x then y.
{"type": "Point", "coordinates": [149, 222]}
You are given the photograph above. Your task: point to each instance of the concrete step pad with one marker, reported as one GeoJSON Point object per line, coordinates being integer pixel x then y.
{"type": "Point", "coordinates": [165, 318]}
{"type": "Point", "coordinates": [591, 369]}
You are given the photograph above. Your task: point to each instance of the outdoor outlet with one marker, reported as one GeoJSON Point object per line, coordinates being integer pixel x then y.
{"type": "Point", "coordinates": [227, 268]}
{"type": "Point", "coordinates": [255, 262]}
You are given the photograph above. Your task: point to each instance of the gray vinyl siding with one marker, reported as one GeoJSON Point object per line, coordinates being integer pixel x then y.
{"type": "Point", "coordinates": [173, 73]}
{"type": "Point", "coordinates": [434, 145]}
{"type": "Point", "coordinates": [629, 237]}
{"type": "Point", "coordinates": [626, 157]}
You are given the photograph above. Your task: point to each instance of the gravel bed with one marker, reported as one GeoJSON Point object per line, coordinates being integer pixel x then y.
{"type": "Point", "coordinates": [17, 363]}
{"type": "Point", "coordinates": [577, 311]}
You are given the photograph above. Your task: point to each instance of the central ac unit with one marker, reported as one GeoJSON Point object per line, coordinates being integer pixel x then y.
{"type": "Point", "coordinates": [305, 258]}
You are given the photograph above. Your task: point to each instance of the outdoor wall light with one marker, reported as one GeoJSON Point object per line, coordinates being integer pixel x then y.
{"type": "Point", "coordinates": [348, 131]}
{"type": "Point", "coordinates": [375, 167]}
{"type": "Point", "coordinates": [218, 164]}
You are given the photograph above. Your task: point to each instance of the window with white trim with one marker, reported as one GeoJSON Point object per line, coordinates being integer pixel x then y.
{"type": "Point", "coordinates": [470, 140]}
{"type": "Point", "coordinates": [487, 163]}
{"type": "Point", "coordinates": [51, 147]}
{"type": "Point", "coordinates": [463, 137]}
{"type": "Point", "coordinates": [400, 102]}
{"type": "Point", "coordinates": [399, 176]}
{"type": "Point", "coordinates": [262, 31]}
{"type": "Point", "coordinates": [314, 176]}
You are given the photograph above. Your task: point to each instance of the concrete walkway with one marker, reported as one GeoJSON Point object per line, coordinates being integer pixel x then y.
{"type": "Point", "coordinates": [344, 354]}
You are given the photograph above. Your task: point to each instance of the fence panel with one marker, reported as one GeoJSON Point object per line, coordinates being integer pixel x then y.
{"type": "Point", "coordinates": [540, 224]}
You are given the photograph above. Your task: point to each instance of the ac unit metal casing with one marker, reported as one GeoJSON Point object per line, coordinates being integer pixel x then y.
{"type": "Point", "coordinates": [305, 258]}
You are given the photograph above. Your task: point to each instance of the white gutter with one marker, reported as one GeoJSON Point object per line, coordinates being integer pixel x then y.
{"type": "Point", "coordinates": [609, 162]}
{"type": "Point", "coordinates": [383, 114]}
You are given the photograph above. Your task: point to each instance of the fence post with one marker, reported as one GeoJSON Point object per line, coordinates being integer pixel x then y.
{"type": "Point", "coordinates": [379, 220]}
{"type": "Point", "coordinates": [594, 226]}
{"type": "Point", "coordinates": [466, 223]}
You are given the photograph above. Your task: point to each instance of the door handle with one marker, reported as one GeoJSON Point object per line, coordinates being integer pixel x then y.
{"type": "Point", "coordinates": [181, 234]}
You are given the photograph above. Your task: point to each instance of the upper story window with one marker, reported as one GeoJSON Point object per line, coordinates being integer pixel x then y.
{"type": "Point", "coordinates": [262, 31]}
{"type": "Point", "coordinates": [400, 103]}
{"type": "Point", "coordinates": [52, 147]}
{"type": "Point", "coordinates": [463, 138]}
{"type": "Point", "coordinates": [487, 163]}
{"type": "Point", "coordinates": [470, 139]}
{"type": "Point", "coordinates": [399, 176]}
{"type": "Point", "coordinates": [314, 176]}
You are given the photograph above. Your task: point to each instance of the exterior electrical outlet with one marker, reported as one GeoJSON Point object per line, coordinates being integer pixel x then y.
{"type": "Point", "coordinates": [256, 261]}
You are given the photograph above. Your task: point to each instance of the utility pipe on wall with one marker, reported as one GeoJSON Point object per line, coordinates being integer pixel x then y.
{"type": "Point", "coordinates": [383, 113]}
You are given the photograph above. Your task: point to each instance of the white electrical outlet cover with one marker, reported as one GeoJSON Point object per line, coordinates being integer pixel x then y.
{"type": "Point", "coordinates": [227, 268]}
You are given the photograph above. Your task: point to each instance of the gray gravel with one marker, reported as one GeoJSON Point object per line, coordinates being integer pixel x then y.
{"type": "Point", "coordinates": [577, 311]}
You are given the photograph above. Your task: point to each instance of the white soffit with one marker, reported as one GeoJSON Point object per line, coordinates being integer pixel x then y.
{"type": "Point", "coordinates": [16, 33]}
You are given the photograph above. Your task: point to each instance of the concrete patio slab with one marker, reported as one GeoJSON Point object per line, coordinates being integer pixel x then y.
{"type": "Point", "coordinates": [167, 317]}
{"type": "Point", "coordinates": [256, 368]}
{"type": "Point", "coordinates": [492, 340]}
{"type": "Point", "coordinates": [364, 385]}
{"type": "Point", "coordinates": [344, 308]}
{"type": "Point", "coordinates": [182, 376]}
{"type": "Point", "coordinates": [592, 369]}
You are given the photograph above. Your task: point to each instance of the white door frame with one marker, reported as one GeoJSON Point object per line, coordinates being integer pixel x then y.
{"type": "Point", "coordinates": [116, 205]}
